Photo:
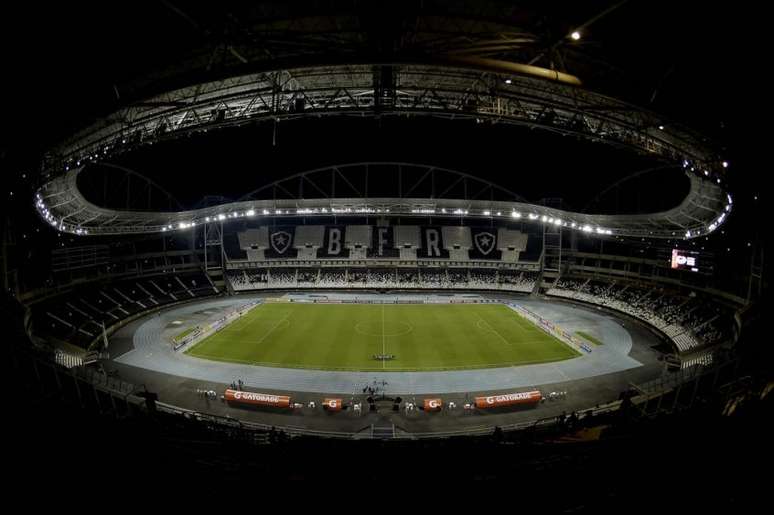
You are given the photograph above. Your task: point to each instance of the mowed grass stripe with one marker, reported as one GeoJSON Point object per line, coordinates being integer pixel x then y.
{"type": "Point", "coordinates": [346, 336]}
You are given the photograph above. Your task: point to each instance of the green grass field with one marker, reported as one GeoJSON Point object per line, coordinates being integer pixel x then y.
{"type": "Point", "coordinates": [346, 336]}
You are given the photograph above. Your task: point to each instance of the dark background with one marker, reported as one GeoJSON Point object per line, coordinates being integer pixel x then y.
{"type": "Point", "coordinates": [702, 63]}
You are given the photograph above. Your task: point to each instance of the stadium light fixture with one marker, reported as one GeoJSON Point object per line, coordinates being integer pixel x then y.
{"type": "Point", "coordinates": [250, 212]}
{"type": "Point", "coordinates": [516, 214]}
{"type": "Point", "coordinates": [661, 127]}
{"type": "Point", "coordinates": [508, 81]}
{"type": "Point", "coordinates": [575, 35]}
{"type": "Point", "coordinates": [725, 164]}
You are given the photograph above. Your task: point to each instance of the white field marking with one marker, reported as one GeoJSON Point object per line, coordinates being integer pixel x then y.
{"type": "Point", "coordinates": [255, 342]}
{"type": "Point", "coordinates": [285, 318]}
{"type": "Point", "coordinates": [235, 324]}
{"type": "Point", "coordinates": [394, 335]}
{"type": "Point", "coordinates": [246, 319]}
{"type": "Point", "coordinates": [489, 328]}
{"type": "Point", "coordinates": [472, 366]}
{"type": "Point", "coordinates": [522, 320]}
{"type": "Point", "coordinates": [548, 332]}
{"type": "Point", "coordinates": [492, 329]}
{"type": "Point", "coordinates": [528, 326]}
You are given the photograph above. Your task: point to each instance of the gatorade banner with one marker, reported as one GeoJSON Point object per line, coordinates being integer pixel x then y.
{"type": "Point", "coordinates": [433, 404]}
{"type": "Point", "coordinates": [281, 243]}
{"type": "Point", "coordinates": [432, 243]}
{"type": "Point", "coordinates": [333, 404]}
{"type": "Point", "coordinates": [497, 401]}
{"type": "Point", "coordinates": [484, 241]}
{"type": "Point", "coordinates": [257, 399]}
{"type": "Point", "coordinates": [383, 243]}
{"type": "Point", "coordinates": [333, 243]}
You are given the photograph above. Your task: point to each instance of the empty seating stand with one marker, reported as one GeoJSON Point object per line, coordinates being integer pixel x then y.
{"type": "Point", "coordinates": [673, 314]}
{"type": "Point", "coordinates": [78, 316]}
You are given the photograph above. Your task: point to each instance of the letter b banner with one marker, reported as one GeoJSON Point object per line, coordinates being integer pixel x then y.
{"type": "Point", "coordinates": [333, 242]}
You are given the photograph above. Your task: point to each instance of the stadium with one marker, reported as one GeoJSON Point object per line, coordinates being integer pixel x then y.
{"type": "Point", "coordinates": [335, 226]}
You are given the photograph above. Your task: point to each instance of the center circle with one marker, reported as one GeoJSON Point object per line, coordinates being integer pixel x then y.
{"type": "Point", "coordinates": [376, 328]}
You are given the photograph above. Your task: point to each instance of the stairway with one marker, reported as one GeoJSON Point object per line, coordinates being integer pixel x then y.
{"type": "Point", "coordinates": [383, 432]}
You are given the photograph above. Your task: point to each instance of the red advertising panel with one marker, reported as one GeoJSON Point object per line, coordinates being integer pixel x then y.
{"type": "Point", "coordinates": [497, 401]}
{"type": "Point", "coordinates": [433, 404]}
{"type": "Point", "coordinates": [333, 404]}
{"type": "Point", "coordinates": [257, 399]}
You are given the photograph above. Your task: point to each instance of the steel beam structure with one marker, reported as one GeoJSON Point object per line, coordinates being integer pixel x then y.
{"type": "Point", "coordinates": [453, 92]}
{"type": "Point", "coordinates": [420, 90]}
{"type": "Point", "coordinates": [61, 203]}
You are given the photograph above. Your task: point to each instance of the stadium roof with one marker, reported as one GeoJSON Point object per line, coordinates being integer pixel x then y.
{"type": "Point", "coordinates": [61, 203]}
{"type": "Point", "coordinates": [646, 54]}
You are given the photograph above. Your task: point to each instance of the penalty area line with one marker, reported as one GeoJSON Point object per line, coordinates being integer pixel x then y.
{"type": "Point", "coordinates": [492, 329]}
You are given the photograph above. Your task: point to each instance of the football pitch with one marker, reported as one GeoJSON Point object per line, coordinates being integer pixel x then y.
{"type": "Point", "coordinates": [347, 336]}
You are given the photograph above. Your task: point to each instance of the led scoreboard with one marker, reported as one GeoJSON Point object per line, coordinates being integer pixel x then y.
{"type": "Point", "coordinates": [685, 260]}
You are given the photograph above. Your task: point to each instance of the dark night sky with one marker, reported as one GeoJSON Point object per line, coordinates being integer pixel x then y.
{"type": "Point", "coordinates": [531, 163]}
{"type": "Point", "coordinates": [70, 56]}
{"type": "Point", "coordinates": [697, 62]}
